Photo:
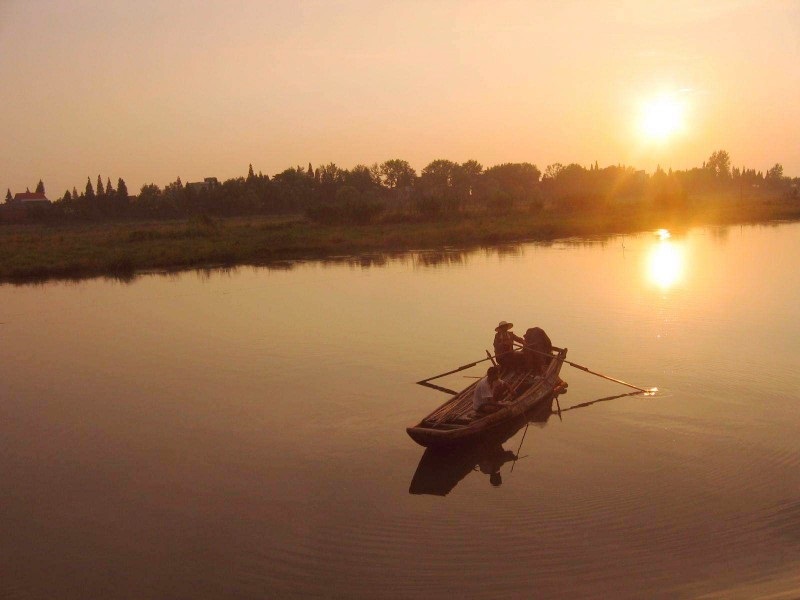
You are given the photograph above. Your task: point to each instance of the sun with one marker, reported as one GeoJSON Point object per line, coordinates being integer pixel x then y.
{"type": "Point", "coordinates": [662, 117]}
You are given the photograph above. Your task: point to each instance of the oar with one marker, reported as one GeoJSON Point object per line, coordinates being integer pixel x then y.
{"type": "Point", "coordinates": [461, 368]}
{"type": "Point", "coordinates": [438, 387]}
{"type": "Point", "coordinates": [588, 370]}
{"type": "Point", "coordinates": [606, 399]}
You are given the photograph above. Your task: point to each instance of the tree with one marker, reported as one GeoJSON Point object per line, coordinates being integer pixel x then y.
{"type": "Point", "coordinates": [397, 173]}
{"type": "Point", "coordinates": [8, 196]}
{"type": "Point", "coordinates": [250, 174]}
{"type": "Point", "coordinates": [121, 197]}
{"type": "Point", "coordinates": [149, 200]}
{"type": "Point", "coordinates": [464, 181]}
{"type": "Point", "coordinates": [361, 178]}
{"type": "Point", "coordinates": [517, 181]}
{"type": "Point", "coordinates": [330, 178]}
{"type": "Point", "coordinates": [100, 191]}
{"type": "Point", "coordinates": [719, 163]}
{"type": "Point", "coordinates": [775, 174]}
{"type": "Point", "coordinates": [67, 196]}
{"type": "Point", "coordinates": [436, 187]}
{"type": "Point", "coordinates": [552, 171]}
{"type": "Point", "coordinates": [109, 189]}
{"type": "Point", "coordinates": [330, 174]}
{"type": "Point", "coordinates": [89, 189]}
{"type": "Point", "coordinates": [74, 193]}
{"type": "Point", "coordinates": [40, 187]}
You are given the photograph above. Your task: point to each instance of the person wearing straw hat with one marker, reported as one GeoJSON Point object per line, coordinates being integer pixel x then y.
{"type": "Point", "coordinates": [504, 345]}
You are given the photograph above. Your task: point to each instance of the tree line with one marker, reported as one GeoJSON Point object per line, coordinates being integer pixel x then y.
{"type": "Point", "coordinates": [393, 190]}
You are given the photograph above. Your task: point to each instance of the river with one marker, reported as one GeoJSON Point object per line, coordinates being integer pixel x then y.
{"type": "Point", "coordinates": [241, 433]}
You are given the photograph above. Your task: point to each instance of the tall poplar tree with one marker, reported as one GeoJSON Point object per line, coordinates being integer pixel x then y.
{"type": "Point", "coordinates": [89, 189]}
{"type": "Point", "coordinates": [109, 189]}
{"type": "Point", "coordinates": [122, 190]}
{"type": "Point", "coordinates": [40, 187]}
{"type": "Point", "coordinates": [100, 191]}
{"type": "Point", "coordinates": [8, 195]}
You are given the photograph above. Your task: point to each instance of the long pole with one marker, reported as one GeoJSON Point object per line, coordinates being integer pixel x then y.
{"type": "Point", "coordinates": [461, 368]}
{"type": "Point", "coordinates": [520, 445]}
{"type": "Point", "coordinates": [588, 370]}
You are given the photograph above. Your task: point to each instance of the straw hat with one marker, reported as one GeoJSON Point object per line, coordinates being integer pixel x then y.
{"type": "Point", "coordinates": [504, 326]}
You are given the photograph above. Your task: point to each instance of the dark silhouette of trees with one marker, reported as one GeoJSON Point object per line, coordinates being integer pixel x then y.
{"type": "Point", "coordinates": [40, 187]}
{"type": "Point", "coordinates": [292, 189]}
{"type": "Point", "coordinates": [775, 174]}
{"type": "Point", "coordinates": [505, 184]}
{"type": "Point", "coordinates": [9, 197]}
{"type": "Point", "coordinates": [89, 190]}
{"type": "Point", "coordinates": [393, 190]}
{"type": "Point", "coordinates": [436, 192]}
{"type": "Point", "coordinates": [148, 203]}
{"type": "Point", "coordinates": [397, 173]}
{"type": "Point", "coordinates": [120, 199]}
{"type": "Point", "coordinates": [719, 163]}
{"type": "Point", "coordinates": [398, 176]}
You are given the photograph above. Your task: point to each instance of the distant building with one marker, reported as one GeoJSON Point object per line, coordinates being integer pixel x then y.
{"type": "Point", "coordinates": [206, 184]}
{"type": "Point", "coordinates": [30, 198]}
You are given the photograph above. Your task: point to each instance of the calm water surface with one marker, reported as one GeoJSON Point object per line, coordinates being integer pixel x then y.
{"type": "Point", "coordinates": [242, 434]}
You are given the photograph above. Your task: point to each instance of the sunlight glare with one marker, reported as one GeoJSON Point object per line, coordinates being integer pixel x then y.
{"type": "Point", "coordinates": [665, 265]}
{"type": "Point", "coordinates": [662, 117]}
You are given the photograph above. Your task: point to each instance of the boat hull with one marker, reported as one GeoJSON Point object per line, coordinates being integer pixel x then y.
{"type": "Point", "coordinates": [444, 435]}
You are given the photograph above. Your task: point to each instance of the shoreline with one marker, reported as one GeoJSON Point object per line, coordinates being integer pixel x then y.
{"type": "Point", "coordinates": [35, 253]}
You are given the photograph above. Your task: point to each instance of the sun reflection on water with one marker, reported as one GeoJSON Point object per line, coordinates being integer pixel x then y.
{"type": "Point", "coordinates": [665, 265]}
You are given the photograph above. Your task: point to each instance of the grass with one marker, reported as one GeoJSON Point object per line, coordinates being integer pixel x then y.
{"type": "Point", "coordinates": [36, 252]}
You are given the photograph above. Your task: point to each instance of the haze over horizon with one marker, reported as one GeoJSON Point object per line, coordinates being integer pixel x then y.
{"type": "Point", "coordinates": [150, 91]}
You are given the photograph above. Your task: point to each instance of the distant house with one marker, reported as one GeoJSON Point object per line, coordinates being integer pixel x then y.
{"type": "Point", "coordinates": [23, 206]}
{"type": "Point", "coordinates": [206, 184]}
{"type": "Point", "coordinates": [30, 199]}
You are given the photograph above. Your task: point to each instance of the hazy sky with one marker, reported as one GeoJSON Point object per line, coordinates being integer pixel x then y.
{"type": "Point", "coordinates": [152, 90]}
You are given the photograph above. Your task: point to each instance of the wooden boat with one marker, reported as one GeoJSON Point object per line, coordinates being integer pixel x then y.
{"type": "Point", "coordinates": [441, 469]}
{"type": "Point", "coordinates": [455, 422]}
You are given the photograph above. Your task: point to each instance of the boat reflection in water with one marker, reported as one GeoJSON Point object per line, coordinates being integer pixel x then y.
{"type": "Point", "coordinates": [440, 469]}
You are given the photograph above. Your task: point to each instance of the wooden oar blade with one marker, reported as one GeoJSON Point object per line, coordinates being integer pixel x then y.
{"type": "Point", "coordinates": [437, 387]}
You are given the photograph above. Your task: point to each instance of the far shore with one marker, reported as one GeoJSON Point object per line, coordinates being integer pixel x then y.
{"type": "Point", "coordinates": [39, 252]}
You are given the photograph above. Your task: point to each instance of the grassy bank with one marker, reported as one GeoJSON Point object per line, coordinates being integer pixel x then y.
{"type": "Point", "coordinates": [38, 252]}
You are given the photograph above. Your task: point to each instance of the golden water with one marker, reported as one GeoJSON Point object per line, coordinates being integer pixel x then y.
{"type": "Point", "coordinates": [242, 433]}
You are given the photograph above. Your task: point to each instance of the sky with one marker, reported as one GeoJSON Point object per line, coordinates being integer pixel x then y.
{"type": "Point", "coordinates": [154, 90]}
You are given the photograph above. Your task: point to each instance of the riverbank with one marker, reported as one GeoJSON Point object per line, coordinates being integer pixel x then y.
{"type": "Point", "coordinates": [38, 252]}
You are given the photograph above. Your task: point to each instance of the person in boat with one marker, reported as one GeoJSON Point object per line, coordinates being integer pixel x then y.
{"type": "Point", "coordinates": [504, 345]}
{"type": "Point", "coordinates": [489, 391]}
{"type": "Point", "coordinates": [537, 346]}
